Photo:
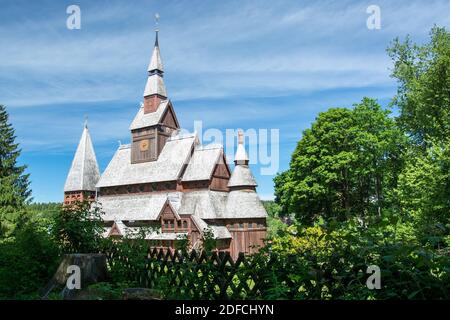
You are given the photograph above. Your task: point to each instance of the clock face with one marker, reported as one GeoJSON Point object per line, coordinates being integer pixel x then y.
{"type": "Point", "coordinates": [143, 145]}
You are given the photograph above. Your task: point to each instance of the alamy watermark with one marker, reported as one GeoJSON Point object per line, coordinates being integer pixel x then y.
{"type": "Point", "coordinates": [374, 280]}
{"type": "Point", "coordinates": [374, 20]}
{"type": "Point", "coordinates": [74, 280]}
{"type": "Point", "coordinates": [262, 144]}
{"type": "Point", "coordinates": [74, 19]}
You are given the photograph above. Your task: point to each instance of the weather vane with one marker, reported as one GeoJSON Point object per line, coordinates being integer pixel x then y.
{"type": "Point", "coordinates": [156, 21]}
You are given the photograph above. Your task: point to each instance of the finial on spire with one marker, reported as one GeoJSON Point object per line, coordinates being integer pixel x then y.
{"type": "Point", "coordinates": [156, 28]}
{"type": "Point", "coordinates": [240, 137]}
{"type": "Point", "coordinates": [86, 121]}
{"type": "Point", "coordinates": [156, 20]}
{"type": "Point", "coordinates": [241, 157]}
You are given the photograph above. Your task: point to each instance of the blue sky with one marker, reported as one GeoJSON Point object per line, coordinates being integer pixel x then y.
{"type": "Point", "coordinates": [232, 64]}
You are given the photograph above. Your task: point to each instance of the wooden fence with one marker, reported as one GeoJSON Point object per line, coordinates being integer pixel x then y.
{"type": "Point", "coordinates": [196, 275]}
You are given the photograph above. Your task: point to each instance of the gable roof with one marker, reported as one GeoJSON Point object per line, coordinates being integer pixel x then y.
{"type": "Point", "coordinates": [203, 162]}
{"type": "Point", "coordinates": [84, 172]}
{"type": "Point", "coordinates": [119, 227]}
{"type": "Point", "coordinates": [142, 120]}
{"type": "Point", "coordinates": [167, 167]}
{"type": "Point", "coordinates": [204, 204]}
{"type": "Point", "coordinates": [172, 209]}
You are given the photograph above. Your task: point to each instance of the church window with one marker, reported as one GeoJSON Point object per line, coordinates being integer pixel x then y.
{"type": "Point", "coordinates": [241, 226]}
{"type": "Point", "coordinates": [141, 188]}
{"type": "Point", "coordinates": [185, 224]}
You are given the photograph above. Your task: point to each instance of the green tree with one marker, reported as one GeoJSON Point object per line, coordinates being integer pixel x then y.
{"type": "Point", "coordinates": [78, 228]}
{"type": "Point", "coordinates": [423, 101]}
{"type": "Point", "coordinates": [423, 95]}
{"type": "Point", "coordinates": [424, 193]}
{"type": "Point", "coordinates": [14, 184]}
{"type": "Point", "coordinates": [345, 165]}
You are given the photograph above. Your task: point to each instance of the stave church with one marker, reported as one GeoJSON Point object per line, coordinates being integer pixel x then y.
{"type": "Point", "coordinates": [169, 182]}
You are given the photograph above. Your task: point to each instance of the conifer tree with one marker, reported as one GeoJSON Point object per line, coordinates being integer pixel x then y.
{"type": "Point", "coordinates": [14, 184]}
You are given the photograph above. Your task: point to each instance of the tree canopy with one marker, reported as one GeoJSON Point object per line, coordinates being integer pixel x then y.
{"type": "Point", "coordinates": [344, 164]}
{"type": "Point", "coordinates": [14, 184]}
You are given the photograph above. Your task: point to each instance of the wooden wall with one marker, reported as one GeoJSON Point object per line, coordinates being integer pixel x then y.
{"type": "Point", "coordinates": [248, 235]}
{"type": "Point", "coordinates": [74, 196]}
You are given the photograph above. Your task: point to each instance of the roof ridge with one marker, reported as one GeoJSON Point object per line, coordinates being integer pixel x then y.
{"type": "Point", "coordinates": [83, 165]}
{"type": "Point", "coordinates": [211, 146]}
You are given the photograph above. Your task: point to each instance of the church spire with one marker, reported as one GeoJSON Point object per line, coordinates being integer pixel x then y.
{"type": "Point", "coordinates": [156, 65]}
{"type": "Point", "coordinates": [242, 177]}
{"type": "Point", "coordinates": [84, 173]}
{"type": "Point", "coordinates": [155, 90]}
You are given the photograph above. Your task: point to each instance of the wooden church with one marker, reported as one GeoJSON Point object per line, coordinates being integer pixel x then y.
{"type": "Point", "coordinates": [169, 182]}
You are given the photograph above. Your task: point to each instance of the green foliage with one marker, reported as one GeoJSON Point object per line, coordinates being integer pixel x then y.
{"type": "Point", "coordinates": [423, 95]}
{"type": "Point", "coordinates": [104, 291]}
{"type": "Point", "coordinates": [135, 248]}
{"type": "Point", "coordinates": [209, 243]}
{"type": "Point", "coordinates": [370, 190]}
{"type": "Point", "coordinates": [28, 259]}
{"type": "Point", "coordinates": [274, 226]}
{"type": "Point", "coordinates": [78, 228]}
{"type": "Point", "coordinates": [14, 184]}
{"type": "Point", "coordinates": [331, 263]}
{"type": "Point", "coordinates": [272, 208]}
{"type": "Point", "coordinates": [424, 193]}
{"type": "Point", "coordinates": [344, 165]}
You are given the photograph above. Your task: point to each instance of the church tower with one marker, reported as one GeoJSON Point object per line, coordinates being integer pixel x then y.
{"type": "Point", "coordinates": [84, 173]}
{"type": "Point", "coordinates": [156, 119]}
{"type": "Point", "coordinates": [242, 177]}
{"type": "Point", "coordinates": [155, 90]}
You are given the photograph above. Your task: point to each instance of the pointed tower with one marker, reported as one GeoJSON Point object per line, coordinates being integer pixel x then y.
{"type": "Point", "coordinates": [156, 120]}
{"type": "Point", "coordinates": [242, 177]}
{"type": "Point", "coordinates": [155, 90]}
{"type": "Point", "coordinates": [84, 173]}
{"type": "Point", "coordinates": [244, 211]}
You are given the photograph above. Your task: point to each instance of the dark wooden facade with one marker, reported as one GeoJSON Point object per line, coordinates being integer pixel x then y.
{"type": "Point", "coordinates": [147, 143]}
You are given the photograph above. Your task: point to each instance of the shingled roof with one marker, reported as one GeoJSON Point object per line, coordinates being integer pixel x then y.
{"type": "Point", "coordinates": [142, 119]}
{"type": "Point", "coordinates": [132, 207]}
{"type": "Point", "coordinates": [156, 60]}
{"type": "Point", "coordinates": [155, 85]}
{"type": "Point", "coordinates": [84, 172]}
{"type": "Point", "coordinates": [167, 167]}
{"type": "Point", "coordinates": [244, 204]}
{"type": "Point", "coordinates": [202, 163]}
{"type": "Point", "coordinates": [242, 177]}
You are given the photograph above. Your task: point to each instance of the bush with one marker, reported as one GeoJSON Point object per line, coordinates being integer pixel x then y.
{"type": "Point", "coordinates": [27, 262]}
{"type": "Point", "coordinates": [78, 228]}
{"type": "Point", "coordinates": [330, 263]}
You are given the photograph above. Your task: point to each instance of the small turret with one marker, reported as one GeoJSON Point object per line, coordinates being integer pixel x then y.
{"type": "Point", "coordinates": [242, 177]}
{"type": "Point", "coordinates": [84, 173]}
